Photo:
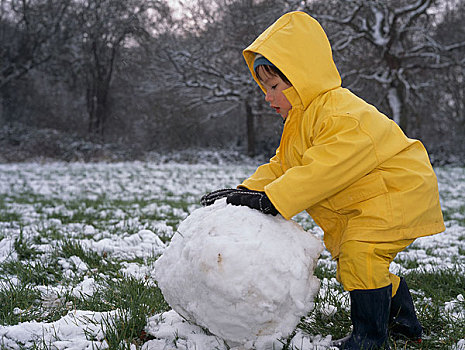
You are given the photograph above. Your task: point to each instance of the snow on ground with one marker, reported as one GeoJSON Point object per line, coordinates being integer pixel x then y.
{"type": "Point", "coordinates": [70, 332]}
{"type": "Point", "coordinates": [128, 211]}
{"type": "Point", "coordinates": [174, 332]}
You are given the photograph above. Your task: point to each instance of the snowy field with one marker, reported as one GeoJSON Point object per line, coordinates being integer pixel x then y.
{"type": "Point", "coordinates": [78, 243]}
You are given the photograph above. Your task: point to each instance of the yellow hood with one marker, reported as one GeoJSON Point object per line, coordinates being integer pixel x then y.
{"type": "Point", "coordinates": [300, 49]}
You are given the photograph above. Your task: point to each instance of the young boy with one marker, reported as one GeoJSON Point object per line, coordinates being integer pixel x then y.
{"type": "Point", "coordinates": [370, 188]}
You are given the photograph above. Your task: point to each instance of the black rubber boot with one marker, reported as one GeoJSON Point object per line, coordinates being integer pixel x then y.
{"type": "Point", "coordinates": [403, 320]}
{"type": "Point", "coordinates": [369, 312]}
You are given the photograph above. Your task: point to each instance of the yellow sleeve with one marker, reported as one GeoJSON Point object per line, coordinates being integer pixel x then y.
{"type": "Point", "coordinates": [342, 153]}
{"type": "Point", "coordinates": [264, 174]}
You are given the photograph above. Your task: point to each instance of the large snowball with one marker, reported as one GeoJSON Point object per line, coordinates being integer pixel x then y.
{"type": "Point", "coordinates": [239, 273]}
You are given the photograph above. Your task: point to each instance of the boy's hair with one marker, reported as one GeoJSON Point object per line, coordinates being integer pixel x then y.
{"type": "Point", "coordinates": [273, 71]}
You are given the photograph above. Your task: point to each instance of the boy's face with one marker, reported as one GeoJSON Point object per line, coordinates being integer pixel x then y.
{"type": "Point", "coordinates": [274, 87]}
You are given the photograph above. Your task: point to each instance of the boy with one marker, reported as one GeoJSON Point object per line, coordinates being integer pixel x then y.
{"type": "Point", "coordinates": [370, 188]}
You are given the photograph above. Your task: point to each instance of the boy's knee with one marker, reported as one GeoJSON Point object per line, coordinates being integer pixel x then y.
{"type": "Point", "coordinates": [359, 267]}
{"type": "Point", "coordinates": [365, 265]}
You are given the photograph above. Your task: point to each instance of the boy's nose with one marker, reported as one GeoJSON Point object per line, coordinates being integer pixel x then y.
{"type": "Point", "coordinates": [267, 97]}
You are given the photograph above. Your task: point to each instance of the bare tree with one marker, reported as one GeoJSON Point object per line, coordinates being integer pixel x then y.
{"type": "Point", "coordinates": [31, 34]}
{"type": "Point", "coordinates": [107, 27]}
{"type": "Point", "coordinates": [207, 59]}
{"type": "Point", "coordinates": [122, 69]}
{"type": "Point", "coordinates": [388, 44]}
{"type": "Point", "coordinates": [447, 99]}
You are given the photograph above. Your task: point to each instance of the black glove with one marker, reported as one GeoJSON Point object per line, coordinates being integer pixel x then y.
{"type": "Point", "coordinates": [252, 199]}
{"type": "Point", "coordinates": [211, 197]}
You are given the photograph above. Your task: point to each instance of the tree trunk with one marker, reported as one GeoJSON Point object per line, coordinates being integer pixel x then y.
{"type": "Point", "coordinates": [2, 121]}
{"type": "Point", "coordinates": [250, 130]}
{"type": "Point", "coordinates": [91, 110]}
{"type": "Point", "coordinates": [97, 107]}
{"type": "Point", "coordinates": [397, 102]}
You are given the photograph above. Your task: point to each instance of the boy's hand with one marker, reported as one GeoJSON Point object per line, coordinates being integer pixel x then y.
{"type": "Point", "coordinates": [252, 199]}
{"type": "Point", "coordinates": [211, 197]}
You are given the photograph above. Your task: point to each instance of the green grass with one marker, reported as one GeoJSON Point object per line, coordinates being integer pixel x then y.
{"type": "Point", "coordinates": [9, 216]}
{"type": "Point", "coordinates": [89, 212]}
{"type": "Point", "coordinates": [322, 272]}
{"type": "Point", "coordinates": [21, 296]}
{"type": "Point", "coordinates": [24, 248]}
{"type": "Point", "coordinates": [6, 214]}
{"type": "Point", "coordinates": [456, 214]}
{"type": "Point", "coordinates": [99, 263]}
{"type": "Point", "coordinates": [442, 285]}
{"type": "Point", "coordinates": [47, 231]}
{"type": "Point", "coordinates": [47, 234]}
{"type": "Point", "coordinates": [441, 330]}
{"type": "Point", "coordinates": [135, 301]}
{"type": "Point", "coordinates": [322, 322]}
{"type": "Point", "coordinates": [35, 272]}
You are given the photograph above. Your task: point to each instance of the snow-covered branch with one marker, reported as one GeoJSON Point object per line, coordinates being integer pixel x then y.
{"type": "Point", "coordinates": [410, 12]}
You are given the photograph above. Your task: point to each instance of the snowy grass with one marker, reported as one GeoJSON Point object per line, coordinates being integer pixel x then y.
{"type": "Point", "coordinates": [78, 242]}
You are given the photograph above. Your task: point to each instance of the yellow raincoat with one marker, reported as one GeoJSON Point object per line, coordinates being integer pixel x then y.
{"type": "Point", "coordinates": [348, 165]}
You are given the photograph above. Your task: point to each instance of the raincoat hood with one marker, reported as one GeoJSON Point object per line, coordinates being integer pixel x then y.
{"type": "Point", "coordinates": [298, 46]}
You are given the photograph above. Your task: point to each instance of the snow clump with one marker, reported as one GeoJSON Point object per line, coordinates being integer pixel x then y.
{"type": "Point", "coordinates": [245, 276]}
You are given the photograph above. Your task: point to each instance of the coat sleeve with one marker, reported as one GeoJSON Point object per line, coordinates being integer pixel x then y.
{"type": "Point", "coordinates": [342, 152]}
{"type": "Point", "coordinates": [264, 174]}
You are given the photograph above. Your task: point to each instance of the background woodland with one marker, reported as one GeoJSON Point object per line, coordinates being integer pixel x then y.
{"type": "Point", "coordinates": [120, 79]}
